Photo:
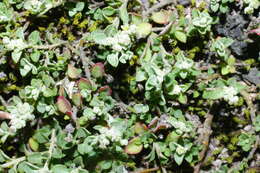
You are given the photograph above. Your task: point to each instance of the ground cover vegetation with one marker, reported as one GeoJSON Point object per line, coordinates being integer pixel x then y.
{"type": "Point", "coordinates": [129, 86]}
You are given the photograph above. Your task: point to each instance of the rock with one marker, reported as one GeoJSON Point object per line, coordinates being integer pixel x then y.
{"type": "Point", "coordinates": [184, 2]}
{"type": "Point", "coordinates": [253, 76]}
{"type": "Point", "coordinates": [239, 48]}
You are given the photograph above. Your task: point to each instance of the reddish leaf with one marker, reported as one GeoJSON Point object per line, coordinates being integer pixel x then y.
{"type": "Point", "coordinates": [84, 83]}
{"type": "Point", "coordinates": [98, 70]}
{"type": "Point", "coordinates": [134, 146]}
{"type": "Point", "coordinates": [77, 99]}
{"type": "Point", "coordinates": [73, 72]}
{"type": "Point", "coordinates": [64, 105]}
{"type": "Point", "coordinates": [106, 89]}
{"type": "Point", "coordinates": [62, 91]}
{"type": "Point", "coordinates": [140, 128]}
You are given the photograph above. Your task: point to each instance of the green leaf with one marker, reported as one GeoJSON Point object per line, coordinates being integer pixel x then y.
{"type": "Point", "coordinates": [140, 76]}
{"type": "Point", "coordinates": [89, 114]}
{"type": "Point", "coordinates": [98, 36]}
{"type": "Point", "coordinates": [113, 59]}
{"type": "Point", "coordinates": [183, 74]}
{"type": "Point", "coordinates": [125, 56]}
{"type": "Point", "coordinates": [25, 167]}
{"type": "Point", "coordinates": [85, 148]}
{"type": "Point", "coordinates": [214, 6]}
{"type": "Point", "coordinates": [182, 98]}
{"type": "Point", "coordinates": [42, 135]}
{"type": "Point", "coordinates": [84, 83]}
{"type": "Point", "coordinates": [257, 123]}
{"type": "Point", "coordinates": [98, 70]}
{"type": "Point", "coordinates": [123, 14]}
{"type": "Point", "coordinates": [73, 72]}
{"type": "Point", "coordinates": [246, 141]}
{"type": "Point", "coordinates": [231, 60]}
{"type": "Point", "coordinates": [143, 29]}
{"type": "Point", "coordinates": [77, 99]}
{"type": "Point", "coordinates": [48, 92]}
{"type": "Point", "coordinates": [35, 55]}
{"type": "Point", "coordinates": [57, 153]}
{"type": "Point", "coordinates": [16, 55]}
{"type": "Point", "coordinates": [34, 38]}
{"type": "Point", "coordinates": [3, 157]}
{"type": "Point", "coordinates": [108, 11]}
{"type": "Point", "coordinates": [60, 169]}
{"type": "Point", "coordinates": [226, 41]}
{"type": "Point", "coordinates": [178, 158]}
{"type": "Point", "coordinates": [140, 108]}
{"type": "Point", "coordinates": [82, 133]}
{"type": "Point", "coordinates": [151, 83]}
{"type": "Point", "coordinates": [223, 8]}
{"type": "Point", "coordinates": [35, 158]}
{"type": "Point", "coordinates": [225, 70]}
{"type": "Point", "coordinates": [161, 17]}
{"type": "Point", "coordinates": [33, 144]}
{"type": "Point", "coordinates": [172, 137]}
{"type": "Point", "coordinates": [80, 6]}
{"type": "Point", "coordinates": [140, 128]}
{"type": "Point", "coordinates": [105, 164]}
{"type": "Point", "coordinates": [181, 36]}
{"type": "Point", "coordinates": [134, 146]}
{"type": "Point", "coordinates": [62, 142]}
{"type": "Point", "coordinates": [26, 67]}
{"type": "Point", "coordinates": [213, 94]}
{"type": "Point", "coordinates": [6, 13]}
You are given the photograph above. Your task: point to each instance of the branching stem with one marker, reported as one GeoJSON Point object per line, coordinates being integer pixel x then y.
{"type": "Point", "coordinates": [204, 139]}
{"type": "Point", "coordinates": [157, 6]}
{"type": "Point", "coordinates": [53, 141]}
{"type": "Point", "coordinates": [13, 162]}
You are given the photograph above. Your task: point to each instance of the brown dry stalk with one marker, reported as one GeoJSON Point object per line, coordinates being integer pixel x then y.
{"type": "Point", "coordinates": [157, 6]}
{"type": "Point", "coordinates": [166, 29]}
{"type": "Point", "coordinates": [253, 150]}
{"type": "Point", "coordinates": [250, 104]}
{"type": "Point", "coordinates": [148, 170]}
{"type": "Point", "coordinates": [52, 46]}
{"type": "Point", "coordinates": [204, 139]}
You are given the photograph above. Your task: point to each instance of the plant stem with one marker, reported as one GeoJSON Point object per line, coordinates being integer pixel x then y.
{"type": "Point", "coordinates": [157, 6]}
{"type": "Point", "coordinates": [46, 47]}
{"type": "Point", "coordinates": [13, 162]}
{"type": "Point", "coordinates": [53, 141]}
{"type": "Point", "coordinates": [149, 170]}
{"type": "Point", "coordinates": [204, 140]}
{"type": "Point", "coordinates": [166, 28]}
{"type": "Point", "coordinates": [252, 152]}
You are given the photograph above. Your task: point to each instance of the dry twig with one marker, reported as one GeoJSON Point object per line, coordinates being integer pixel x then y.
{"type": "Point", "coordinates": [157, 6]}
{"type": "Point", "coordinates": [252, 152]}
{"type": "Point", "coordinates": [204, 140]}
{"type": "Point", "coordinates": [46, 47]}
{"type": "Point", "coordinates": [148, 170]}
{"type": "Point", "coordinates": [166, 28]}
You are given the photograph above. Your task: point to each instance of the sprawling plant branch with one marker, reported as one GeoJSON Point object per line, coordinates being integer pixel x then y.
{"type": "Point", "coordinates": [157, 6]}
{"type": "Point", "coordinates": [51, 148]}
{"type": "Point", "coordinates": [46, 47]}
{"type": "Point", "coordinates": [13, 162]}
{"type": "Point", "coordinates": [204, 139]}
